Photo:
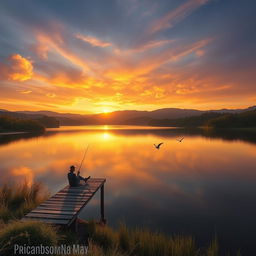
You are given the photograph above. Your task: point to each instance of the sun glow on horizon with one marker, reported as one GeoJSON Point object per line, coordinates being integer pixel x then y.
{"type": "Point", "coordinates": [106, 110]}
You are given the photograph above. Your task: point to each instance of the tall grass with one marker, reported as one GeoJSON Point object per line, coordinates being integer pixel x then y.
{"type": "Point", "coordinates": [17, 200]}
{"type": "Point", "coordinates": [96, 250]}
{"type": "Point", "coordinates": [26, 233]}
{"type": "Point", "coordinates": [213, 249]}
{"type": "Point", "coordinates": [140, 242]}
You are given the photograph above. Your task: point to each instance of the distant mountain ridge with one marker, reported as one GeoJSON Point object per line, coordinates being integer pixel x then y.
{"type": "Point", "coordinates": [135, 117]}
{"type": "Point", "coordinates": [51, 113]}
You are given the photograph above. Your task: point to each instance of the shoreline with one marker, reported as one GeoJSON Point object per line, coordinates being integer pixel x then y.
{"type": "Point", "coordinates": [11, 133]}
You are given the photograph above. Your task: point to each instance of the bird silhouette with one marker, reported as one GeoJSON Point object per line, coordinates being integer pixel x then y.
{"type": "Point", "coordinates": [180, 140]}
{"type": "Point", "coordinates": [158, 146]}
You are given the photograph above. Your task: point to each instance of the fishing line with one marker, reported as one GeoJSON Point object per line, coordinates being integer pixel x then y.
{"type": "Point", "coordinates": [83, 158]}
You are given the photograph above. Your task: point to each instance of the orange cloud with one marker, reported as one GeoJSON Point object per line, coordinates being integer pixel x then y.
{"type": "Point", "coordinates": [64, 79]}
{"type": "Point", "coordinates": [51, 95]}
{"type": "Point", "coordinates": [17, 68]}
{"type": "Point", "coordinates": [42, 51]}
{"type": "Point", "coordinates": [93, 40]}
{"type": "Point", "coordinates": [146, 76]}
{"type": "Point", "coordinates": [127, 78]}
{"type": "Point", "coordinates": [200, 53]}
{"type": "Point", "coordinates": [25, 91]}
{"type": "Point", "coordinates": [122, 68]}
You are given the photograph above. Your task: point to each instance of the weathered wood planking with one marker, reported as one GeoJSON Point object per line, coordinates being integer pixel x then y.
{"type": "Point", "coordinates": [63, 207]}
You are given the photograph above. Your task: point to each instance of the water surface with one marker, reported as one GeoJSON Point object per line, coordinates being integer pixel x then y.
{"type": "Point", "coordinates": [203, 186]}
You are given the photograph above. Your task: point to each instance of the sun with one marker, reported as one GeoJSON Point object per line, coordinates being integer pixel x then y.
{"type": "Point", "coordinates": [106, 110]}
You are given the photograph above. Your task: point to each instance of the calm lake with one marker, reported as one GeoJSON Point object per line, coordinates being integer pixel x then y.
{"type": "Point", "coordinates": [203, 186]}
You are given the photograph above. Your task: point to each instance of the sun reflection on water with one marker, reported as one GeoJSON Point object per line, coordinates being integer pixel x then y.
{"type": "Point", "coordinates": [106, 136]}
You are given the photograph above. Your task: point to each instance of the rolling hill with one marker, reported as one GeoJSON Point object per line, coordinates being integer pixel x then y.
{"type": "Point", "coordinates": [120, 117]}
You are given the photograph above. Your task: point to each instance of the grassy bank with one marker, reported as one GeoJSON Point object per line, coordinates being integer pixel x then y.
{"type": "Point", "coordinates": [19, 199]}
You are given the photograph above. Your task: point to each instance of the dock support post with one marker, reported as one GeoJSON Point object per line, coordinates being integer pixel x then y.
{"type": "Point", "coordinates": [102, 211]}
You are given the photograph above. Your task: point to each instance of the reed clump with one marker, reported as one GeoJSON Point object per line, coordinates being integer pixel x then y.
{"type": "Point", "coordinates": [18, 199]}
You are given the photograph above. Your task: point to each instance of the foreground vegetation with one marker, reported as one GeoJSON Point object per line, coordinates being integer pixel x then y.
{"type": "Point", "coordinates": [17, 200]}
{"type": "Point", "coordinates": [103, 241]}
{"type": "Point", "coordinates": [141, 242]}
{"type": "Point", "coordinates": [25, 233]}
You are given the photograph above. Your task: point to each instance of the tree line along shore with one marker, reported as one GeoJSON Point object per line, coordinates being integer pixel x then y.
{"type": "Point", "coordinates": [12, 124]}
{"type": "Point", "coordinates": [215, 120]}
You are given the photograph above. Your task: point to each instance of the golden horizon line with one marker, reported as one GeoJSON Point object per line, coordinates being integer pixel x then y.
{"type": "Point", "coordinates": [104, 111]}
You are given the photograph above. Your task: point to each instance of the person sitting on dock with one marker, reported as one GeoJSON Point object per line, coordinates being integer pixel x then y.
{"type": "Point", "coordinates": [74, 179]}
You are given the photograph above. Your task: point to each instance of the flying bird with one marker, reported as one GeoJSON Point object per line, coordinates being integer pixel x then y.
{"type": "Point", "coordinates": [180, 140]}
{"type": "Point", "coordinates": [158, 146]}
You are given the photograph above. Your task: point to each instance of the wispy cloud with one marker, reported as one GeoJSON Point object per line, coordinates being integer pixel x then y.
{"type": "Point", "coordinates": [57, 43]}
{"type": "Point", "coordinates": [93, 40]}
{"type": "Point", "coordinates": [25, 91]}
{"type": "Point", "coordinates": [150, 45]}
{"type": "Point", "coordinates": [176, 15]}
{"type": "Point", "coordinates": [130, 71]}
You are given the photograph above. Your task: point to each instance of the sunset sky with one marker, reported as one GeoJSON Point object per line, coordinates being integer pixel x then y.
{"type": "Point", "coordinates": [95, 56]}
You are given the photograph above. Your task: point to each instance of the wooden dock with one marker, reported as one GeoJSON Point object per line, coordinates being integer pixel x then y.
{"type": "Point", "coordinates": [64, 207]}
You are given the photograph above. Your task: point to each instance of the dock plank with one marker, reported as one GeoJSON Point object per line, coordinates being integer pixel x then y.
{"type": "Point", "coordinates": [49, 216]}
{"type": "Point", "coordinates": [53, 211]}
{"type": "Point", "coordinates": [71, 200]}
{"type": "Point", "coordinates": [61, 202]}
{"type": "Point", "coordinates": [72, 207]}
{"type": "Point", "coordinates": [50, 221]}
{"type": "Point", "coordinates": [58, 207]}
{"type": "Point", "coordinates": [84, 193]}
{"type": "Point", "coordinates": [70, 197]}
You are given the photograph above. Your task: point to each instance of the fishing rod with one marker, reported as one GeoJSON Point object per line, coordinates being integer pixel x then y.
{"type": "Point", "coordinates": [83, 158]}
